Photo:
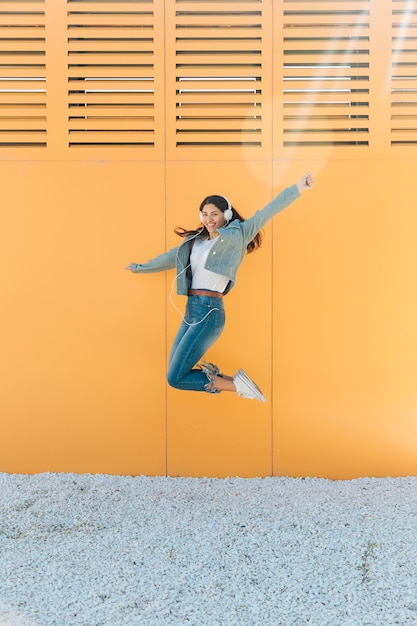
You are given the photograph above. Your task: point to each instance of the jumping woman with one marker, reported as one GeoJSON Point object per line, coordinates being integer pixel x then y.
{"type": "Point", "coordinates": [206, 263]}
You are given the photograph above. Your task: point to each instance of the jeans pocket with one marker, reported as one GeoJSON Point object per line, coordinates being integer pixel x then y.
{"type": "Point", "coordinates": [204, 301]}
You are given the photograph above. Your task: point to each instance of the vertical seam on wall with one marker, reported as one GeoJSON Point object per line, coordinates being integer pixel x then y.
{"type": "Point", "coordinates": [273, 244]}
{"type": "Point", "coordinates": [165, 236]}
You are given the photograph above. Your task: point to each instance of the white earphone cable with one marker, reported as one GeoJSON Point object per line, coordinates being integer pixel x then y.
{"type": "Point", "coordinates": [175, 306]}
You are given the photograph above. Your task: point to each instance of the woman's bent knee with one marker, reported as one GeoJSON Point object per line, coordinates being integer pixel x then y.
{"type": "Point", "coordinates": [173, 381]}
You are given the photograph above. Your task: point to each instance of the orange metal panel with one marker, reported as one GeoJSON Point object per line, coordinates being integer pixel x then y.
{"type": "Point", "coordinates": [82, 374]}
{"type": "Point", "coordinates": [344, 333]}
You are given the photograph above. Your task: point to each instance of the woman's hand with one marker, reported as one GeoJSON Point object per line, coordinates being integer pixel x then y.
{"type": "Point", "coordinates": [305, 183]}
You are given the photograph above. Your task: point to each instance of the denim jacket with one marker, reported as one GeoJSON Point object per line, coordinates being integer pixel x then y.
{"type": "Point", "coordinates": [227, 252]}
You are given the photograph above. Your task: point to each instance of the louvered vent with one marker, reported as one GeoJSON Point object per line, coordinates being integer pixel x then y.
{"type": "Point", "coordinates": [111, 73]}
{"type": "Point", "coordinates": [219, 73]}
{"type": "Point", "coordinates": [326, 72]}
{"type": "Point", "coordinates": [404, 74]}
{"type": "Point", "coordinates": [22, 74]}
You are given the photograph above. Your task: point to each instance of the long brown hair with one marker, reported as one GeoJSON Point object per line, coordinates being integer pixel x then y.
{"type": "Point", "coordinates": [221, 203]}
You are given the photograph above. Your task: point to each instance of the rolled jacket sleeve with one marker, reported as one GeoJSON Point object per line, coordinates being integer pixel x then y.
{"type": "Point", "coordinates": [165, 261]}
{"type": "Point", "coordinates": [254, 224]}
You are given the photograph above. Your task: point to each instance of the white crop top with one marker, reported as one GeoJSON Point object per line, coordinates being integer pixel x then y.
{"type": "Point", "coordinates": [202, 278]}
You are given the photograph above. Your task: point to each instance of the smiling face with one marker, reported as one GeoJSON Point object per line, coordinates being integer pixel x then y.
{"type": "Point", "coordinates": [212, 219]}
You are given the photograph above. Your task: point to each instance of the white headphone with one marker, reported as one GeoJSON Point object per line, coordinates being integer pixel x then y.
{"type": "Point", "coordinates": [228, 213]}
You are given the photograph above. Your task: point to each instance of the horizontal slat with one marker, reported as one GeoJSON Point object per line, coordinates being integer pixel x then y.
{"type": "Point", "coordinates": [218, 22]}
{"type": "Point", "coordinates": [222, 68]}
{"type": "Point", "coordinates": [329, 134]}
{"type": "Point", "coordinates": [132, 32]}
{"type": "Point", "coordinates": [112, 19]}
{"type": "Point", "coordinates": [403, 144]}
{"type": "Point", "coordinates": [107, 58]}
{"type": "Point", "coordinates": [327, 5]}
{"type": "Point", "coordinates": [323, 108]}
{"type": "Point", "coordinates": [325, 142]}
{"type": "Point", "coordinates": [401, 97]}
{"type": "Point", "coordinates": [329, 86]}
{"type": "Point", "coordinates": [210, 98]}
{"type": "Point", "coordinates": [104, 71]}
{"type": "Point", "coordinates": [140, 46]}
{"type": "Point", "coordinates": [405, 58]}
{"type": "Point", "coordinates": [219, 132]}
{"type": "Point", "coordinates": [22, 98]}
{"type": "Point", "coordinates": [222, 81]}
{"type": "Point", "coordinates": [24, 6]}
{"type": "Point", "coordinates": [343, 124]}
{"type": "Point", "coordinates": [14, 37]}
{"type": "Point", "coordinates": [330, 55]}
{"type": "Point", "coordinates": [233, 106]}
{"type": "Point", "coordinates": [216, 145]}
{"type": "Point", "coordinates": [214, 44]}
{"type": "Point", "coordinates": [407, 108]}
{"type": "Point", "coordinates": [103, 109]}
{"type": "Point", "coordinates": [106, 136]}
{"type": "Point", "coordinates": [325, 94]}
{"type": "Point", "coordinates": [243, 34]}
{"type": "Point", "coordinates": [353, 20]}
{"type": "Point", "coordinates": [220, 56]}
{"type": "Point", "coordinates": [21, 84]}
{"type": "Point", "coordinates": [218, 124]}
{"type": "Point", "coordinates": [295, 65]}
{"type": "Point", "coordinates": [405, 125]}
{"type": "Point", "coordinates": [14, 135]}
{"type": "Point", "coordinates": [326, 46]}
{"type": "Point", "coordinates": [25, 71]}
{"type": "Point", "coordinates": [112, 99]}
{"type": "Point", "coordinates": [228, 84]}
{"type": "Point", "coordinates": [341, 30]}
{"type": "Point", "coordinates": [405, 32]}
{"type": "Point", "coordinates": [117, 85]}
{"type": "Point", "coordinates": [12, 110]}
{"type": "Point", "coordinates": [22, 60]}
{"type": "Point", "coordinates": [404, 84]}
{"type": "Point", "coordinates": [102, 6]}
{"type": "Point", "coordinates": [22, 124]}
{"type": "Point", "coordinates": [219, 138]}
{"type": "Point", "coordinates": [122, 133]}
{"type": "Point", "coordinates": [216, 5]}
{"type": "Point", "coordinates": [409, 133]}
{"type": "Point", "coordinates": [195, 120]}
{"type": "Point", "coordinates": [21, 19]}
{"type": "Point", "coordinates": [112, 124]}
{"type": "Point", "coordinates": [326, 75]}
{"type": "Point", "coordinates": [93, 150]}
{"type": "Point", "coordinates": [196, 115]}
{"type": "Point", "coordinates": [325, 97]}
{"type": "Point", "coordinates": [203, 33]}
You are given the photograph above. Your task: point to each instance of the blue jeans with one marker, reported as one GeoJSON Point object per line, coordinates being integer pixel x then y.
{"type": "Point", "coordinates": [203, 323]}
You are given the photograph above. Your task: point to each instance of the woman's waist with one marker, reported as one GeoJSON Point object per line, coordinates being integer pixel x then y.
{"type": "Point", "coordinates": [205, 292]}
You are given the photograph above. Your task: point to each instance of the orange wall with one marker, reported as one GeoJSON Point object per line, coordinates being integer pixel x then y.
{"type": "Point", "coordinates": [322, 317]}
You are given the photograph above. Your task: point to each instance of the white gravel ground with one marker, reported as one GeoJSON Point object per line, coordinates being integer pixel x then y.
{"type": "Point", "coordinates": [109, 550]}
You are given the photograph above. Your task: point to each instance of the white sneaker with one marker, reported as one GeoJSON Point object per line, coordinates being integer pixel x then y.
{"type": "Point", "coordinates": [246, 388]}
